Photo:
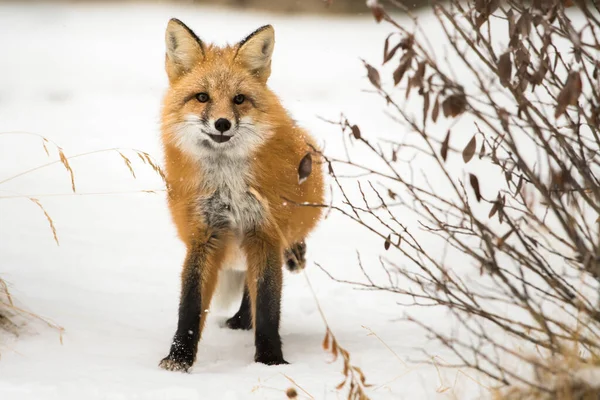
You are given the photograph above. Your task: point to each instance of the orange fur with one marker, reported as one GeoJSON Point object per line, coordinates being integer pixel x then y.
{"type": "Point", "coordinates": [271, 170]}
{"type": "Point", "coordinates": [274, 167]}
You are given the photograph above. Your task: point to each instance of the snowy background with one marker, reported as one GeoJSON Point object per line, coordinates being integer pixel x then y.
{"type": "Point", "coordinates": [91, 77]}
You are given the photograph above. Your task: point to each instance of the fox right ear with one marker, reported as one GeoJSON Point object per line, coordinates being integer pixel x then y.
{"type": "Point", "coordinates": [184, 49]}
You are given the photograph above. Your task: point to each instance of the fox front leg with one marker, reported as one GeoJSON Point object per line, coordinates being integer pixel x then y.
{"type": "Point", "coordinates": [198, 280]}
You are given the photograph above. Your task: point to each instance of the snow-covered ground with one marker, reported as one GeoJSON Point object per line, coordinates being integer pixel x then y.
{"type": "Point", "coordinates": [90, 78]}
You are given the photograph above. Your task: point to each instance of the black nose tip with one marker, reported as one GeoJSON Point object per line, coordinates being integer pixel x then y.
{"type": "Point", "coordinates": [222, 125]}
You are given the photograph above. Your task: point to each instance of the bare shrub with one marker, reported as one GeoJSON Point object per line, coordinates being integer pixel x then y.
{"type": "Point", "coordinates": [491, 195]}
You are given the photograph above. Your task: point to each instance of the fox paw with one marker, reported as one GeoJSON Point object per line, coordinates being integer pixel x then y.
{"type": "Point", "coordinates": [171, 364]}
{"type": "Point", "coordinates": [295, 257]}
{"type": "Point", "coordinates": [270, 358]}
{"type": "Point", "coordinates": [238, 321]}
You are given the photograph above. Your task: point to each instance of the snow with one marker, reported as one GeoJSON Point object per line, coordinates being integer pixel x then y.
{"type": "Point", "coordinates": [90, 78]}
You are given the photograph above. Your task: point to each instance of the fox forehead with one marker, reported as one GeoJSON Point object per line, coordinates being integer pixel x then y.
{"type": "Point", "coordinates": [218, 71]}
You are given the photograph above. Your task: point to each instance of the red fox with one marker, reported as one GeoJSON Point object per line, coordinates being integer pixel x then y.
{"type": "Point", "coordinates": [232, 154]}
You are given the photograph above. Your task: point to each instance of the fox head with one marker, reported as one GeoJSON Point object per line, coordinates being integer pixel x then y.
{"type": "Point", "coordinates": [218, 101]}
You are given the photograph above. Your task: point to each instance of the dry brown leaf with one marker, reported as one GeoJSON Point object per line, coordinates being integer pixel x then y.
{"type": "Point", "coordinates": [326, 341]}
{"type": "Point", "coordinates": [417, 79]}
{"type": "Point", "coordinates": [360, 374]}
{"type": "Point", "coordinates": [407, 43]}
{"type": "Point", "coordinates": [405, 63]}
{"type": "Point", "coordinates": [373, 75]}
{"type": "Point", "coordinates": [388, 54]}
{"type": "Point", "coordinates": [485, 8]}
{"type": "Point", "coordinates": [569, 94]}
{"type": "Point", "coordinates": [475, 185]}
{"type": "Point", "coordinates": [524, 24]}
{"type": "Point", "coordinates": [494, 209]}
{"type": "Point", "coordinates": [504, 68]}
{"type": "Point", "coordinates": [334, 349]}
{"type": "Point", "coordinates": [436, 109]}
{"type": "Point", "coordinates": [519, 184]}
{"type": "Point", "coordinates": [445, 145]}
{"type": "Point", "coordinates": [425, 106]}
{"type": "Point", "coordinates": [454, 105]}
{"type": "Point", "coordinates": [386, 46]}
{"type": "Point", "coordinates": [388, 241]}
{"type": "Point", "coordinates": [469, 149]}
{"type": "Point", "coordinates": [503, 238]}
{"type": "Point", "coordinates": [503, 114]}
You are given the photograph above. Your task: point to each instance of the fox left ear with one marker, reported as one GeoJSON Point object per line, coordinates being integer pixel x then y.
{"type": "Point", "coordinates": [255, 51]}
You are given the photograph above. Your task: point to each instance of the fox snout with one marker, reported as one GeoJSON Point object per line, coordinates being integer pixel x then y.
{"type": "Point", "coordinates": [222, 125]}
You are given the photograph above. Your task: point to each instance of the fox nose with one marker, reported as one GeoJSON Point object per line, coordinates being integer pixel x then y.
{"type": "Point", "coordinates": [222, 125]}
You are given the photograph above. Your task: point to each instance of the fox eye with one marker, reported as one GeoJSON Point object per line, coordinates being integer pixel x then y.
{"type": "Point", "coordinates": [239, 99]}
{"type": "Point", "coordinates": [202, 97]}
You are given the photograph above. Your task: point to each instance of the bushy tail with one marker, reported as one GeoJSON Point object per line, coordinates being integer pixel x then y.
{"type": "Point", "coordinates": [230, 288]}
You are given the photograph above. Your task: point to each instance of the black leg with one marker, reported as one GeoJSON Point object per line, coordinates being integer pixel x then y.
{"type": "Point", "coordinates": [267, 311]}
{"type": "Point", "coordinates": [243, 318]}
{"type": "Point", "coordinates": [185, 342]}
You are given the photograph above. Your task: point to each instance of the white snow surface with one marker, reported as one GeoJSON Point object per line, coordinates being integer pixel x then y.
{"type": "Point", "coordinates": [91, 77]}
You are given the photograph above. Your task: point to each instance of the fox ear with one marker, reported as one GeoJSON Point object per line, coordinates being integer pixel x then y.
{"type": "Point", "coordinates": [184, 49]}
{"type": "Point", "coordinates": [255, 51]}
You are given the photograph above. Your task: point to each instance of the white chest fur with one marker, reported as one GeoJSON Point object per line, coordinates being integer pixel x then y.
{"type": "Point", "coordinates": [229, 204]}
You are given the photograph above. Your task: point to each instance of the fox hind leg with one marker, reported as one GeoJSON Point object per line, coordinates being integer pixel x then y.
{"type": "Point", "coordinates": [295, 257]}
{"type": "Point", "coordinates": [295, 261]}
{"type": "Point", "coordinates": [243, 318]}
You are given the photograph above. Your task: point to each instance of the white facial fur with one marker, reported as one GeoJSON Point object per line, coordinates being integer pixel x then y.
{"type": "Point", "coordinates": [225, 168]}
{"type": "Point", "coordinates": [192, 137]}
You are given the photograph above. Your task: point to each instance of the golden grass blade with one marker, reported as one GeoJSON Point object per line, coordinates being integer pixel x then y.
{"type": "Point", "coordinates": [39, 204]}
{"type": "Point", "coordinates": [44, 141]}
{"type": "Point", "coordinates": [127, 163]}
{"type": "Point", "coordinates": [65, 161]}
